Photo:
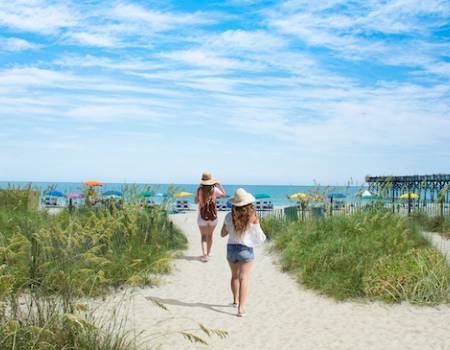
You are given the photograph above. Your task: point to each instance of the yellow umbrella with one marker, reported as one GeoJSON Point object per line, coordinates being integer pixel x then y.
{"type": "Point", "coordinates": [298, 196]}
{"type": "Point", "coordinates": [183, 194]}
{"type": "Point", "coordinates": [409, 195]}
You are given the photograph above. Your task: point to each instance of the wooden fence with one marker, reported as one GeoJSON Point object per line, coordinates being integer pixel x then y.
{"type": "Point", "coordinates": [294, 212]}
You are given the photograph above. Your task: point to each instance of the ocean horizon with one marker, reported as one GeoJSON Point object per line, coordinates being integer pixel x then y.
{"type": "Point", "coordinates": [278, 193]}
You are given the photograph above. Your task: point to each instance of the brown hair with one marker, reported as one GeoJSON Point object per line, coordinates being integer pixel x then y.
{"type": "Point", "coordinates": [241, 217]}
{"type": "Point", "coordinates": [206, 192]}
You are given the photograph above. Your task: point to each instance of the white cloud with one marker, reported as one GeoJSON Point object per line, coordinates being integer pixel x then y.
{"type": "Point", "coordinates": [17, 44]}
{"type": "Point", "coordinates": [91, 39]}
{"type": "Point", "coordinates": [36, 16]}
{"type": "Point", "coordinates": [211, 60]}
{"type": "Point", "coordinates": [154, 20]}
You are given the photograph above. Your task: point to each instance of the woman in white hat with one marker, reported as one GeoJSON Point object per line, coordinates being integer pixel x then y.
{"type": "Point", "coordinates": [206, 195]}
{"type": "Point", "coordinates": [244, 232]}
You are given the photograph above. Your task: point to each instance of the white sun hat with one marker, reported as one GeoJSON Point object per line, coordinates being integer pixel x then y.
{"type": "Point", "coordinates": [241, 198]}
{"type": "Point", "coordinates": [207, 179]}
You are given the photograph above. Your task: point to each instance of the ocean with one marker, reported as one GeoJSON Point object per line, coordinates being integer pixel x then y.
{"type": "Point", "coordinates": [278, 193]}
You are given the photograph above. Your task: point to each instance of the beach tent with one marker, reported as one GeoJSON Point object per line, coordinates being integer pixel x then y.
{"type": "Point", "coordinates": [409, 196]}
{"type": "Point", "coordinates": [365, 194]}
{"type": "Point", "coordinates": [54, 194]}
{"type": "Point", "coordinates": [183, 194]}
{"type": "Point", "coordinates": [368, 195]}
{"type": "Point", "coordinates": [298, 196]}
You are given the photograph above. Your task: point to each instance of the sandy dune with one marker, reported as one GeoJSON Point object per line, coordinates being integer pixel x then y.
{"type": "Point", "coordinates": [281, 315]}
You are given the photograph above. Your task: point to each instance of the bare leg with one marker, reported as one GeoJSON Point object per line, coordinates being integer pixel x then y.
{"type": "Point", "coordinates": [204, 233]}
{"type": "Point", "coordinates": [235, 267]}
{"type": "Point", "coordinates": [210, 238]}
{"type": "Point", "coordinates": [243, 284]}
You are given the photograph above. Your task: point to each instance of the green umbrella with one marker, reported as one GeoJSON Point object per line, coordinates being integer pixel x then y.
{"type": "Point", "coordinates": [147, 194]}
{"type": "Point", "coordinates": [261, 195]}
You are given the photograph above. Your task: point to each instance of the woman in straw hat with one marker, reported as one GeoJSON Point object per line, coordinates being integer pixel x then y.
{"type": "Point", "coordinates": [206, 195]}
{"type": "Point", "coordinates": [244, 232]}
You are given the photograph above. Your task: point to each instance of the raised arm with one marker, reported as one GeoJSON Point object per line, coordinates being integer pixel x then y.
{"type": "Point", "coordinates": [220, 189]}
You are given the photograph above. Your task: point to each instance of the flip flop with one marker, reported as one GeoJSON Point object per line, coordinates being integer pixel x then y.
{"type": "Point", "coordinates": [241, 314]}
{"type": "Point", "coordinates": [204, 259]}
{"type": "Point", "coordinates": [234, 305]}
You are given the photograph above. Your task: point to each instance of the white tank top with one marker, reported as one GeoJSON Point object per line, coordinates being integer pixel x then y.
{"type": "Point", "coordinates": [245, 238]}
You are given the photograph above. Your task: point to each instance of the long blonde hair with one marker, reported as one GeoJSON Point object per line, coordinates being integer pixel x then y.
{"type": "Point", "coordinates": [241, 217]}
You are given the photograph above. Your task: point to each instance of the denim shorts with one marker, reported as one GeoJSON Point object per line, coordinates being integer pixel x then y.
{"type": "Point", "coordinates": [239, 253]}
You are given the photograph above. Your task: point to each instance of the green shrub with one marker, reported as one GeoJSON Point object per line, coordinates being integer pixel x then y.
{"type": "Point", "coordinates": [340, 256]}
{"type": "Point", "coordinates": [53, 260]}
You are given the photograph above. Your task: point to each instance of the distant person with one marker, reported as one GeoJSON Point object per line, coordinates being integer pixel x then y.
{"type": "Point", "coordinates": [244, 232]}
{"type": "Point", "coordinates": [206, 195]}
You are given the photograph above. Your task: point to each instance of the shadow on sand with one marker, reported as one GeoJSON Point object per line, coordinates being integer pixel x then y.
{"type": "Point", "coordinates": [188, 258]}
{"type": "Point", "coordinates": [176, 302]}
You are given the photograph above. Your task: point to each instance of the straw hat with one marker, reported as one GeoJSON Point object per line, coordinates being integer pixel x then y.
{"type": "Point", "coordinates": [241, 198]}
{"type": "Point", "coordinates": [207, 179]}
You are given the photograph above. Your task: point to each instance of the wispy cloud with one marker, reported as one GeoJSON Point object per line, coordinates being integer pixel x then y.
{"type": "Point", "coordinates": [16, 44]}
{"type": "Point", "coordinates": [329, 82]}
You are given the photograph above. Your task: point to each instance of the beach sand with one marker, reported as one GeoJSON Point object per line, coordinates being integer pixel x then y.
{"type": "Point", "coordinates": [281, 314]}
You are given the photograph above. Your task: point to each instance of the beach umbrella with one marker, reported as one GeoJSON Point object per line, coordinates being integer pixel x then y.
{"type": "Point", "coordinates": [55, 194]}
{"type": "Point", "coordinates": [147, 194]}
{"type": "Point", "coordinates": [336, 195]}
{"type": "Point", "coordinates": [368, 195]}
{"type": "Point", "coordinates": [112, 194]}
{"type": "Point", "coordinates": [317, 198]}
{"type": "Point", "coordinates": [409, 196]}
{"type": "Point", "coordinates": [162, 194]}
{"type": "Point", "coordinates": [261, 195]}
{"type": "Point", "coordinates": [298, 196]}
{"type": "Point", "coordinates": [74, 195]}
{"type": "Point", "coordinates": [183, 194]}
{"type": "Point", "coordinates": [92, 183]}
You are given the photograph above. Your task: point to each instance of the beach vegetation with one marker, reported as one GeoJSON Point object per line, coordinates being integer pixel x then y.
{"type": "Point", "coordinates": [50, 264]}
{"type": "Point", "coordinates": [368, 255]}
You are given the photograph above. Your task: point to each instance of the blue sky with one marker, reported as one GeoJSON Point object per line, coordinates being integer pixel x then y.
{"type": "Point", "coordinates": [259, 92]}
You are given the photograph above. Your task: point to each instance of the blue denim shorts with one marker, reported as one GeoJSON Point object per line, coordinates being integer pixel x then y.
{"type": "Point", "coordinates": [239, 253]}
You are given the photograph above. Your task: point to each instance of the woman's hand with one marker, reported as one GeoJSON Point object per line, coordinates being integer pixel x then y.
{"type": "Point", "coordinates": [220, 187]}
{"type": "Point", "coordinates": [224, 231]}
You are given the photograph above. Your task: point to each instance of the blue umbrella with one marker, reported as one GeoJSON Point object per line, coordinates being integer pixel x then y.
{"type": "Point", "coordinates": [112, 193]}
{"type": "Point", "coordinates": [162, 194]}
{"type": "Point", "coordinates": [55, 194]}
{"type": "Point", "coordinates": [335, 195]}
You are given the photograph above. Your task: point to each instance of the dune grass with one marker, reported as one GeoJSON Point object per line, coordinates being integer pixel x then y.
{"type": "Point", "coordinates": [50, 262]}
{"type": "Point", "coordinates": [438, 224]}
{"type": "Point", "coordinates": [372, 255]}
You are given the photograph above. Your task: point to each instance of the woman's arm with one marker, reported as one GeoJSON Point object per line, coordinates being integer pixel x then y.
{"type": "Point", "coordinates": [196, 197]}
{"type": "Point", "coordinates": [224, 231]}
{"type": "Point", "coordinates": [221, 189]}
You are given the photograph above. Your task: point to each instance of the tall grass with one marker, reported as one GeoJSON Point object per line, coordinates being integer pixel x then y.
{"type": "Point", "coordinates": [50, 262]}
{"type": "Point", "coordinates": [439, 224]}
{"type": "Point", "coordinates": [373, 255]}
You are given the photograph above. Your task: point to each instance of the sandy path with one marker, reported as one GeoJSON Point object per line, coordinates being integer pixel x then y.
{"type": "Point", "coordinates": [281, 315]}
{"type": "Point", "coordinates": [440, 243]}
